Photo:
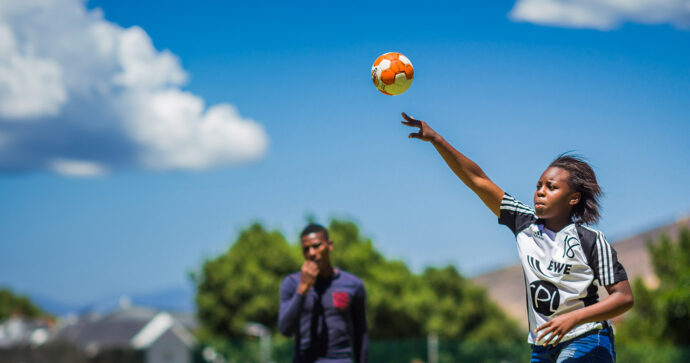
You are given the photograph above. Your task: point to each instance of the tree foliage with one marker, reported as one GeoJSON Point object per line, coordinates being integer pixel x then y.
{"type": "Point", "coordinates": [242, 285]}
{"type": "Point", "coordinates": [13, 304]}
{"type": "Point", "coordinates": [401, 304]}
{"type": "Point", "coordinates": [661, 316]}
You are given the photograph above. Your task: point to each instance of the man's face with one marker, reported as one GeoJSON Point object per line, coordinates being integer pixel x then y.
{"type": "Point", "coordinates": [316, 248]}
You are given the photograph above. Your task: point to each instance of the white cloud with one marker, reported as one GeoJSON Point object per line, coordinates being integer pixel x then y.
{"type": "Point", "coordinates": [77, 168]}
{"type": "Point", "coordinates": [602, 14]}
{"type": "Point", "coordinates": [180, 135]}
{"type": "Point", "coordinates": [142, 65]}
{"type": "Point", "coordinates": [29, 85]}
{"type": "Point", "coordinates": [80, 95]}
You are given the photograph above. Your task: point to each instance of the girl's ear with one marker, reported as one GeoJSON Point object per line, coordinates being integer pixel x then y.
{"type": "Point", "coordinates": [574, 199]}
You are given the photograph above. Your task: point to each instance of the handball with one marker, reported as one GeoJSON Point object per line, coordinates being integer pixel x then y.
{"type": "Point", "coordinates": [392, 73]}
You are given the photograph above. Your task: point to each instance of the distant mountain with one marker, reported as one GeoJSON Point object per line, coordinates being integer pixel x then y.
{"type": "Point", "coordinates": [178, 299]}
{"type": "Point", "coordinates": [506, 286]}
{"type": "Point", "coordinates": [52, 306]}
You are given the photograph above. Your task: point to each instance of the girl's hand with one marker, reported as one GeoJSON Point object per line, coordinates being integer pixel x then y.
{"type": "Point", "coordinates": [558, 327]}
{"type": "Point", "coordinates": [620, 299]}
{"type": "Point", "coordinates": [425, 133]}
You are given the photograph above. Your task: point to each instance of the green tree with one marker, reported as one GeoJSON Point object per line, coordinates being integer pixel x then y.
{"type": "Point", "coordinates": [461, 310]}
{"type": "Point", "coordinates": [13, 304]}
{"type": "Point", "coordinates": [661, 316]}
{"type": "Point", "coordinates": [401, 304]}
{"type": "Point", "coordinates": [392, 304]}
{"type": "Point", "coordinates": [242, 284]}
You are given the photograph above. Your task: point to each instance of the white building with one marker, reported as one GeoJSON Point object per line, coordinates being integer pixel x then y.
{"type": "Point", "coordinates": [160, 337]}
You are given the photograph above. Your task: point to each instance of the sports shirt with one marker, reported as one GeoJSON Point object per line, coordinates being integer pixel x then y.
{"type": "Point", "coordinates": [562, 269]}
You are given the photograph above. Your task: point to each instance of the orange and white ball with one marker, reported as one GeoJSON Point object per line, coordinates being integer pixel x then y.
{"type": "Point", "coordinates": [392, 73]}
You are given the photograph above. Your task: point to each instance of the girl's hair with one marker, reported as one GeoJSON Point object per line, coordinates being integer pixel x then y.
{"type": "Point", "coordinates": [581, 179]}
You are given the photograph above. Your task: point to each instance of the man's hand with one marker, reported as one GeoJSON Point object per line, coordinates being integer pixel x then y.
{"type": "Point", "coordinates": [558, 327]}
{"type": "Point", "coordinates": [425, 133]}
{"type": "Point", "coordinates": [310, 270]}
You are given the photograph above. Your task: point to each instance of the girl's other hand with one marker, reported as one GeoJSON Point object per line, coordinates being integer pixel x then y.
{"type": "Point", "coordinates": [558, 327]}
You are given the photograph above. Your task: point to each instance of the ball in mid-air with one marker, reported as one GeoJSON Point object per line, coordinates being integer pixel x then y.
{"type": "Point", "coordinates": [392, 73]}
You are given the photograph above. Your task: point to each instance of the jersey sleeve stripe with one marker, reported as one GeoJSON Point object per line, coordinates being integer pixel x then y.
{"type": "Point", "coordinates": [601, 267]}
{"type": "Point", "coordinates": [607, 258]}
{"type": "Point", "coordinates": [517, 209]}
{"type": "Point", "coordinates": [610, 256]}
{"type": "Point", "coordinates": [514, 204]}
{"type": "Point", "coordinates": [509, 203]}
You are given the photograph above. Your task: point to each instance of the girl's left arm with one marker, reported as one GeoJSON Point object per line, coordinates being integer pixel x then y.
{"type": "Point", "coordinates": [620, 300]}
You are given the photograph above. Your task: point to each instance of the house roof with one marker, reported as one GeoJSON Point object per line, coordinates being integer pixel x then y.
{"type": "Point", "coordinates": [135, 327]}
{"type": "Point", "coordinates": [155, 328]}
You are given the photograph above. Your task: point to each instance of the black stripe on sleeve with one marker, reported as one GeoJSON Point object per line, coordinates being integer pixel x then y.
{"type": "Point", "coordinates": [601, 257]}
{"type": "Point", "coordinates": [515, 214]}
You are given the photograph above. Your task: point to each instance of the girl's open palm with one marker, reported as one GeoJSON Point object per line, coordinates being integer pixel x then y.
{"type": "Point", "coordinates": [425, 132]}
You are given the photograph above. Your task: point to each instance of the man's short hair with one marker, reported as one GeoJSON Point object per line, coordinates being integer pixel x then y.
{"type": "Point", "coordinates": [314, 228]}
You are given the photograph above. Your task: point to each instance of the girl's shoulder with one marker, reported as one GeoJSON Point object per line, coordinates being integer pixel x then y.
{"type": "Point", "coordinates": [588, 236]}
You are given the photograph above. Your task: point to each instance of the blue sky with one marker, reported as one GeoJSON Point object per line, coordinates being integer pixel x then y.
{"type": "Point", "coordinates": [110, 183]}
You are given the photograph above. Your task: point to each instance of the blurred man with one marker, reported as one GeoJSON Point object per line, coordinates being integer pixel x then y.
{"type": "Point", "coordinates": [323, 306]}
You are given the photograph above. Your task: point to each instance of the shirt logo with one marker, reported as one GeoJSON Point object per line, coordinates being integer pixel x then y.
{"type": "Point", "coordinates": [537, 232]}
{"type": "Point", "coordinates": [534, 263]}
{"type": "Point", "coordinates": [558, 267]}
{"type": "Point", "coordinates": [545, 297]}
{"type": "Point", "coordinates": [570, 242]}
{"type": "Point", "coordinates": [341, 300]}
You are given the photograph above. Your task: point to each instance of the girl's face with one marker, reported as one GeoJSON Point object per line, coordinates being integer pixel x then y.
{"type": "Point", "coordinates": [554, 199]}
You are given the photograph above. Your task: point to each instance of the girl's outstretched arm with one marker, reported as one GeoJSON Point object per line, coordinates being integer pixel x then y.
{"type": "Point", "coordinates": [467, 170]}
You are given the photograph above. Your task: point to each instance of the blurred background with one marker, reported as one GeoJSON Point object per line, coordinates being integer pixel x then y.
{"type": "Point", "coordinates": [158, 160]}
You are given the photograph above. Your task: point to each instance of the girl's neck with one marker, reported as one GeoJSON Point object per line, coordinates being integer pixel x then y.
{"type": "Point", "coordinates": [556, 224]}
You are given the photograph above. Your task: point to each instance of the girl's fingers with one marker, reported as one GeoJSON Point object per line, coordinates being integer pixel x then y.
{"type": "Point", "coordinates": [411, 124]}
{"type": "Point", "coordinates": [408, 118]}
{"type": "Point", "coordinates": [544, 326]}
{"type": "Point", "coordinates": [411, 120]}
{"type": "Point", "coordinates": [544, 333]}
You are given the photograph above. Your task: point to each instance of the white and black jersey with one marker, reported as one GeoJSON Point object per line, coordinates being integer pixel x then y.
{"type": "Point", "coordinates": [561, 268]}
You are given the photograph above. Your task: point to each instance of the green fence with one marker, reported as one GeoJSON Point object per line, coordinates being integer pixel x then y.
{"type": "Point", "coordinates": [409, 351]}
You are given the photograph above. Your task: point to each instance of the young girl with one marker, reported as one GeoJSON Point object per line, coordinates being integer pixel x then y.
{"type": "Point", "coordinates": [561, 258]}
